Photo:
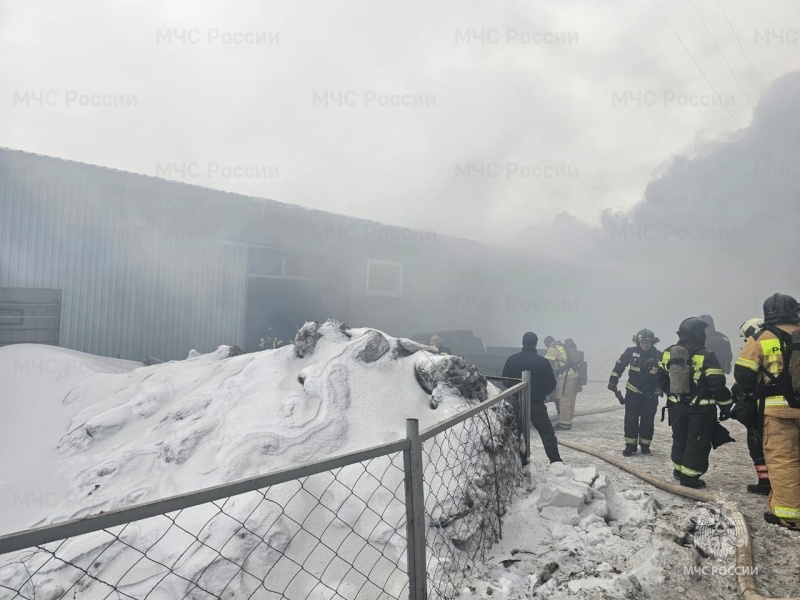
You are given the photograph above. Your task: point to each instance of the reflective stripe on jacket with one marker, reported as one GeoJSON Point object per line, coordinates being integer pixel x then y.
{"type": "Point", "coordinates": [762, 352]}
{"type": "Point", "coordinates": [557, 355]}
{"type": "Point", "coordinates": [708, 379]}
{"type": "Point", "coordinates": [640, 380]}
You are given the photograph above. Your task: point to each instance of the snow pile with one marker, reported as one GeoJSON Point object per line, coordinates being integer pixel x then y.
{"type": "Point", "coordinates": [34, 382]}
{"type": "Point", "coordinates": [450, 375]}
{"type": "Point", "coordinates": [113, 440]}
{"type": "Point", "coordinates": [574, 536]}
{"type": "Point", "coordinates": [100, 434]}
{"type": "Point", "coordinates": [157, 431]}
{"type": "Point", "coordinates": [465, 496]}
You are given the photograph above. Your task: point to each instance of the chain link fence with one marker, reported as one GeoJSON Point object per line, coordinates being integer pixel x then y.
{"type": "Point", "coordinates": [471, 473]}
{"type": "Point", "coordinates": [335, 529]}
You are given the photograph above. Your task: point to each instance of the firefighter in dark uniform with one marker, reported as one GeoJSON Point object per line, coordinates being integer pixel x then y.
{"type": "Point", "coordinates": [693, 415]}
{"type": "Point", "coordinates": [641, 391]}
{"type": "Point", "coordinates": [719, 344]}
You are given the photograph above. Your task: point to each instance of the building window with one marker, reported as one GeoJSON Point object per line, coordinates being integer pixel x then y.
{"type": "Point", "coordinates": [266, 261]}
{"type": "Point", "coordinates": [384, 278]}
{"type": "Point", "coordinates": [294, 264]}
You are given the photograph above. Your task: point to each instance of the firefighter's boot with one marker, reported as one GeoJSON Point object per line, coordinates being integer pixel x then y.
{"type": "Point", "coordinates": [692, 482]}
{"type": "Point", "coordinates": [773, 520]}
{"type": "Point", "coordinates": [629, 450]}
{"type": "Point", "coordinates": [762, 488]}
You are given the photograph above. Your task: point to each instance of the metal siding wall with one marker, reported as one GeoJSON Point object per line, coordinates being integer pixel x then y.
{"type": "Point", "coordinates": [191, 293]}
{"type": "Point", "coordinates": [146, 267]}
{"type": "Point", "coordinates": [127, 290]}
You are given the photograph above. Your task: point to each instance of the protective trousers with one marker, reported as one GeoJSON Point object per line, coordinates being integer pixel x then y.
{"type": "Point", "coordinates": [755, 446]}
{"type": "Point", "coordinates": [566, 392]}
{"type": "Point", "coordinates": [640, 415]}
{"type": "Point", "coordinates": [782, 452]}
{"type": "Point", "coordinates": [692, 426]}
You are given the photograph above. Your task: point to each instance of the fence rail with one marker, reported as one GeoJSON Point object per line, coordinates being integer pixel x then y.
{"type": "Point", "coordinates": [406, 517]}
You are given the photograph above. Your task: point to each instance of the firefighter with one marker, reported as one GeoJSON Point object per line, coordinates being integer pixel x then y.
{"type": "Point", "coordinates": [436, 342]}
{"type": "Point", "coordinates": [271, 341]}
{"type": "Point", "coordinates": [570, 385]}
{"type": "Point", "coordinates": [749, 416]}
{"type": "Point", "coordinates": [549, 341]}
{"type": "Point", "coordinates": [557, 355]}
{"type": "Point", "coordinates": [719, 344]}
{"type": "Point", "coordinates": [695, 386]}
{"type": "Point", "coordinates": [641, 391]}
{"type": "Point", "coordinates": [761, 374]}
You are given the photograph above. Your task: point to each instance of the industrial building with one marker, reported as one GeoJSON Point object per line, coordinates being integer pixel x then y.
{"type": "Point", "coordinates": [125, 265]}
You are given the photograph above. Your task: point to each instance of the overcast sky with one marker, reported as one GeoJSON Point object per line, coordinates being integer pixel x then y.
{"type": "Point", "coordinates": [525, 109]}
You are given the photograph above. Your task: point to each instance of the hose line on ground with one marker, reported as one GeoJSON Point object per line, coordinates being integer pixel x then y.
{"type": "Point", "coordinates": [744, 554]}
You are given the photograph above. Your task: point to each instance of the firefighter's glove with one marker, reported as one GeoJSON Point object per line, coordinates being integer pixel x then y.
{"type": "Point", "coordinates": [745, 411]}
{"type": "Point", "coordinates": [725, 412]}
{"type": "Point", "coordinates": [612, 386]}
{"type": "Point", "coordinates": [619, 396]}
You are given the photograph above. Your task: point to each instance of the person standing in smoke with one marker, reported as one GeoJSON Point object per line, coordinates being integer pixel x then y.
{"type": "Point", "coordinates": [436, 342]}
{"type": "Point", "coordinates": [641, 391]}
{"type": "Point", "coordinates": [695, 385]}
{"type": "Point", "coordinates": [751, 416]}
{"type": "Point", "coordinates": [568, 386]}
{"type": "Point", "coordinates": [767, 373]}
{"type": "Point", "coordinates": [557, 356]}
{"type": "Point", "coordinates": [719, 344]}
{"type": "Point", "coordinates": [542, 383]}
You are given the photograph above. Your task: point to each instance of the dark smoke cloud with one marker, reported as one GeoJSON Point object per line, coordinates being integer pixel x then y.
{"type": "Point", "coordinates": [717, 233]}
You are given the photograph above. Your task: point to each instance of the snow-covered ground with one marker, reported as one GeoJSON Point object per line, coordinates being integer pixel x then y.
{"type": "Point", "coordinates": [90, 434]}
{"type": "Point", "coordinates": [658, 545]}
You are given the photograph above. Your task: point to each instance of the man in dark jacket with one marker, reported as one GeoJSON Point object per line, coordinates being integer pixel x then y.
{"type": "Point", "coordinates": [693, 405]}
{"type": "Point", "coordinates": [641, 391]}
{"type": "Point", "coordinates": [719, 344]}
{"type": "Point", "coordinates": [542, 383]}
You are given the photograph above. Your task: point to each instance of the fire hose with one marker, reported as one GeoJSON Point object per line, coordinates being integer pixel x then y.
{"type": "Point", "coordinates": [744, 553]}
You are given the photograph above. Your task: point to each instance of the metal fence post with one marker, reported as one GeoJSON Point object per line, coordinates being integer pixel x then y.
{"type": "Point", "coordinates": [415, 514]}
{"type": "Point", "coordinates": [526, 413]}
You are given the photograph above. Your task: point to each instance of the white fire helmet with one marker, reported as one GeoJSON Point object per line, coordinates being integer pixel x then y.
{"type": "Point", "coordinates": [749, 327]}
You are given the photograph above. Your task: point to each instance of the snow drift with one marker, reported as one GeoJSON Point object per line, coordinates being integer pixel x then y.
{"type": "Point", "coordinates": [113, 440]}
{"type": "Point", "coordinates": [100, 434]}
